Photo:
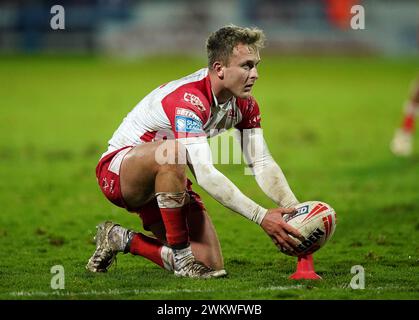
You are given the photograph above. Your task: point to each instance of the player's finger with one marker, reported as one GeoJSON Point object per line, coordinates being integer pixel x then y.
{"type": "Point", "coordinates": [275, 241]}
{"type": "Point", "coordinates": [284, 243]}
{"type": "Point", "coordinates": [290, 211]}
{"type": "Point", "coordinates": [285, 247]}
{"type": "Point", "coordinates": [291, 242]}
{"type": "Point", "coordinates": [292, 231]}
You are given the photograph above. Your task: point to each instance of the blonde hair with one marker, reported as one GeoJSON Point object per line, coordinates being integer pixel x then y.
{"type": "Point", "coordinates": [220, 44]}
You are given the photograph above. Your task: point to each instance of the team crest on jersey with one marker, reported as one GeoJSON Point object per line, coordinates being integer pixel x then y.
{"type": "Point", "coordinates": [188, 125]}
{"type": "Point", "coordinates": [194, 100]}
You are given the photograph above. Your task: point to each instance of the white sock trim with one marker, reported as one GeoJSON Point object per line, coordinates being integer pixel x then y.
{"type": "Point", "coordinates": [171, 199]}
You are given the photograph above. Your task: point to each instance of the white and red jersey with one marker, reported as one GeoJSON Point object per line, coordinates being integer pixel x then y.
{"type": "Point", "coordinates": [183, 108]}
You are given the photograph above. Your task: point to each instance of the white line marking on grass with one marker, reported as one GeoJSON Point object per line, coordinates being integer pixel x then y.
{"type": "Point", "coordinates": [115, 292]}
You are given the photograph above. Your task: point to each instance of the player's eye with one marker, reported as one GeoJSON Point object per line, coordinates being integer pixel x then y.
{"type": "Point", "coordinates": [248, 66]}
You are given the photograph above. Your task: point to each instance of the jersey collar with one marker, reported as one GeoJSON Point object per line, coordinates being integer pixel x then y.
{"type": "Point", "coordinates": [223, 106]}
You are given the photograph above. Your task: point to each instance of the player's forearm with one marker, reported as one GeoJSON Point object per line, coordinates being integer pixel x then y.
{"type": "Point", "coordinates": [272, 181]}
{"type": "Point", "coordinates": [268, 174]}
{"type": "Point", "coordinates": [225, 192]}
{"type": "Point", "coordinates": [216, 184]}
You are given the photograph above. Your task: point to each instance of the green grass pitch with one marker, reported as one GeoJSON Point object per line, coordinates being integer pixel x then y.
{"type": "Point", "coordinates": [328, 122]}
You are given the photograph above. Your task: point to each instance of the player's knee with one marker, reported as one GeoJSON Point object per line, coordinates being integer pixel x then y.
{"type": "Point", "coordinates": [177, 170]}
{"type": "Point", "coordinates": [170, 152]}
{"type": "Point", "coordinates": [171, 157]}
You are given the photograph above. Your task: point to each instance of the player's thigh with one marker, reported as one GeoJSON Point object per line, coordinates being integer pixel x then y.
{"type": "Point", "coordinates": [137, 175]}
{"type": "Point", "coordinates": [141, 165]}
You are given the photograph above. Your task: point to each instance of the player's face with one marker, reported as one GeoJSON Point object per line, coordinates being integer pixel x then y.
{"type": "Point", "coordinates": [241, 74]}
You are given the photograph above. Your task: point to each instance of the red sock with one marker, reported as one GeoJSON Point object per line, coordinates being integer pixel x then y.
{"type": "Point", "coordinates": [147, 247]}
{"type": "Point", "coordinates": [409, 123]}
{"type": "Point", "coordinates": [171, 206]}
{"type": "Point", "coordinates": [174, 219]}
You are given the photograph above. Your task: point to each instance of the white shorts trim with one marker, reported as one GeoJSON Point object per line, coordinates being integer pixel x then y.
{"type": "Point", "coordinates": [115, 165]}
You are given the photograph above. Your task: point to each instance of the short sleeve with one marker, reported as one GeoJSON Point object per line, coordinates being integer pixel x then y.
{"type": "Point", "coordinates": [187, 116]}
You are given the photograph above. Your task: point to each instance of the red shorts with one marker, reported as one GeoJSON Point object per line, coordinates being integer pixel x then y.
{"type": "Point", "coordinates": [107, 174]}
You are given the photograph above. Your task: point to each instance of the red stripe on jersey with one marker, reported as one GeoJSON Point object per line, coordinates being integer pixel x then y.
{"type": "Point", "coordinates": [148, 136]}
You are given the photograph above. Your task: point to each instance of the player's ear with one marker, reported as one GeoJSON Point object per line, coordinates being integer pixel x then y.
{"type": "Point", "coordinates": [218, 67]}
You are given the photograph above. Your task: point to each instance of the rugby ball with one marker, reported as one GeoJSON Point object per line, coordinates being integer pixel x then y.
{"type": "Point", "coordinates": [316, 222]}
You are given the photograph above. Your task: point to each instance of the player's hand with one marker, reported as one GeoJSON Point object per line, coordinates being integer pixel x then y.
{"type": "Point", "coordinates": [275, 226]}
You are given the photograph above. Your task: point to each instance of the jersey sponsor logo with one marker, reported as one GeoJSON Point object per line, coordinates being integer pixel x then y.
{"type": "Point", "coordinates": [187, 113]}
{"type": "Point", "coordinates": [194, 100]}
{"type": "Point", "coordinates": [189, 125]}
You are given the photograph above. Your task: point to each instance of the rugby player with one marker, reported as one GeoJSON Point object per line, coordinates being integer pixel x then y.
{"type": "Point", "coordinates": [402, 142]}
{"type": "Point", "coordinates": [144, 167]}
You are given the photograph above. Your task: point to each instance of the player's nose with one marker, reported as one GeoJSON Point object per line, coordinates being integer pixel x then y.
{"type": "Point", "coordinates": [254, 74]}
